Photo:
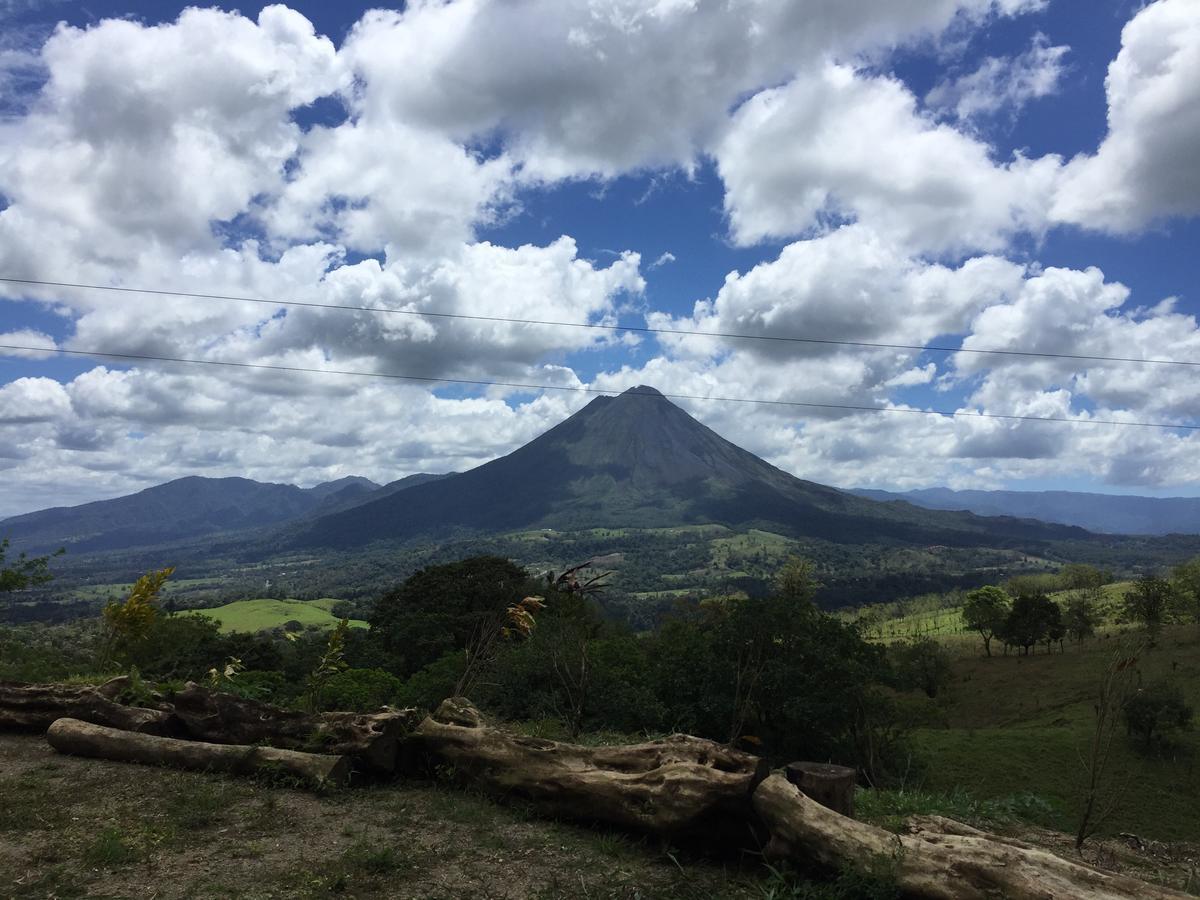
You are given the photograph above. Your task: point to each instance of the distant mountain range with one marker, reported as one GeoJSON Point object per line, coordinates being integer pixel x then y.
{"type": "Point", "coordinates": [1104, 513]}
{"type": "Point", "coordinates": [191, 507]}
{"type": "Point", "coordinates": [632, 461]}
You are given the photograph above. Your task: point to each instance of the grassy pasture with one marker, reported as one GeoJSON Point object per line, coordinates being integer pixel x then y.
{"type": "Point", "coordinates": [890, 623]}
{"type": "Point", "coordinates": [1016, 724]}
{"type": "Point", "coordinates": [263, 614]}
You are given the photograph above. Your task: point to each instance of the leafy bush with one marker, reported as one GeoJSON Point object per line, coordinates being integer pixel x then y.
{"type": "Point", "coordinates": [433, 683]}
{"type": "Point", "coordinates": [42, 653]}
{"type": "Point", "coordinates": [361, 690]}
{"type": "Point", "coordinates": [266, 687]}
{"type": "Point", "coordinates": [1156, 711]}
{"type": "Point", "coordinates": [921, 664]}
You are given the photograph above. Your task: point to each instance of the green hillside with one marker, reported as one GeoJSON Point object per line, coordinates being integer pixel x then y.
{"type": "Point", "coordinates": [1019, 724]}
{"type": "Point", "coordinates": [263, 614]}
{"type": "Point", "coordinates": [923, 618]}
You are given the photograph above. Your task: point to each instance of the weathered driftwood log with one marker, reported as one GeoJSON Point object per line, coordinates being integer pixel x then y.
{"type": "Point", "coordinates": [33, 707]}
{"type": "Point", "coordinates": [678, 787]}
{"type": "Point", "coordinates": [831, 786]}
{"type": "Point", "coordinates": [950, 861]}
{"type": "Point", "coordinates": [85, 739]}
{"type": "Point", "coordinates": [370, 739]}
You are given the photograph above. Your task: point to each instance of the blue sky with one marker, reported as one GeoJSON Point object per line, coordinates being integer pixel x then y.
{"type": "Point", "coordinates": [1011, 174]}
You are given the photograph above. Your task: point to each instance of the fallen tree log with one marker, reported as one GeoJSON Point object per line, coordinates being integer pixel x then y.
{"type": "Point", "coordinates": [941, 860]}
{"type": "Point", "coordinates": [33, 707]}
{"type": "Point", "coordinates": [78, 738]}
{"type": "Point", "coordinates": [680, 786]}
{"type": "Point", "coordinates": [197, 713]}
{"type": "Point", "coordinates": [370, 739]}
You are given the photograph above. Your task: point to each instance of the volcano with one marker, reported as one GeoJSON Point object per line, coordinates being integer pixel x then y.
{"type": "Point", "coordinates": [639, 461]}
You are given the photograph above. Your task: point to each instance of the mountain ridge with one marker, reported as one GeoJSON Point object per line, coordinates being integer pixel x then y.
{"type": "Point", "coordinates": [193, 506]}
{"type": "Point", "coordinates": [1100, 513]}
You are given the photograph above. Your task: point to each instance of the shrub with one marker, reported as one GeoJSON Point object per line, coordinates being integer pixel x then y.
{"type": "Point", "coordinates": [1156, 711]}
{"type": "Point", "coordinates": [433, 683]}
{"type": "Point", "coordinates": [361, 690]}
{"type": "Point", "coordinates": [922, 664]}
{"type": "Point", "coordinates": [268, 687]}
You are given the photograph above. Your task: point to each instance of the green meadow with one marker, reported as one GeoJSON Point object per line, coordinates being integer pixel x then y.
{"type": "Point", "coordinates": [1022, 724]}
{"type": "Point", "coordinates": [263, 614]}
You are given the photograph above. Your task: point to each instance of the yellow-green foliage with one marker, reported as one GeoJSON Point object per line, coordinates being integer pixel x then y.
{"type": "Point", "coordinates": [133, 619]}
{"type": "Point", "coordinates": [332, 661]}
{"type": "Point", "coordinates": [129, 622]}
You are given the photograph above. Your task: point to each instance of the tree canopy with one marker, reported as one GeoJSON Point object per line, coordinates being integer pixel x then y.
{"type": "Point", "coordinates": [1032, 618]}
{"type": "Point", "coordinates": [437, 609]}
{"type": "Point", "coordinates": [985, 611]}
{"type": "Point", "coordinates": [24, 571]}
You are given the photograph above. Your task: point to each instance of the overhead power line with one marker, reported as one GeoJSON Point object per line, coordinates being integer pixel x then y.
{"type": "Point", "coordinates": [519, 385]}
{"type": "Point", "coordinates": [640, 329]}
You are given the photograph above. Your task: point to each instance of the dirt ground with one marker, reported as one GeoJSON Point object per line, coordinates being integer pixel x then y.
{"type": "Point", "coordinates": [72, 827]}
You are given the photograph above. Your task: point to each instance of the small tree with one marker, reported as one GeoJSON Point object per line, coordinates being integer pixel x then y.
{"type": "Point", "coordinates": [923, 663]}
{"type": "Point", "coordinates": [985, 611]}
{"type": "Point", "coordinates": [1080, 617]}
{"type": "Point", "coordinates": [1156, 710]}
{"type": "Point", "coordinates": [24, 572]}
{"type": "Point", "coordinates": [1056, 629]}
{"type": "Point", "coordinates": [1185, 579]}
{"type": "Point", "coordinates": [1149, 603]}
{"type": "Point", "coordinates": [127, 623]}
{"type": "Point", "coordinates": [332, 661]}
{"type": "Point", "coordinates": [1079, 576]}
{"type": "Point", "coordinates": [515, 621]}
{"type": "Point", "coordinates": [1101, 792]}
{"type": "Point", "coordinates": [797, 580]}
{"type": "Point", "coordinates": [574, 627]}
{"type": "Point", "coordinates": [752, 636]}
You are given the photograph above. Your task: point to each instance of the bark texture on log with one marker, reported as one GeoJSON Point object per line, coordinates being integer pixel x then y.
{"type": "Point", "coordinates": [831, 786]}
{"type": "Point", "coordinates": [948, 862]}
{"type": "Point", "coordinates": [682, 786]}
{"type": "Point", "coordinates": [371, 739]}
{"type": "Point", "coordinates": [33, 707]}
{"type": "Point", "coordinates": [85, 739]}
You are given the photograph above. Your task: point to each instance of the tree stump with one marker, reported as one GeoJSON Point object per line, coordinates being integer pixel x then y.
{"type": "Point", "coordinates": [831, 786]}
{"type": "Point", "coordinates": [85, 739]}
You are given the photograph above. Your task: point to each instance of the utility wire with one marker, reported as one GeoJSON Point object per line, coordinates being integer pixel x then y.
{"type": "Point", "coordinates": [640, 329]}
{"type": "Point", "coordinates": [145, 357]}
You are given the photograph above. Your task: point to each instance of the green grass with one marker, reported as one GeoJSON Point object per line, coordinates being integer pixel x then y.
{"type": "Point", "coordinates": [1020, 724]}
{"type": "Point", "coordinates": [110, 849]}
{"type": "Point", "coordinates": [890, 809]}
{"type": "Point", "coordinates": [263, 614]}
